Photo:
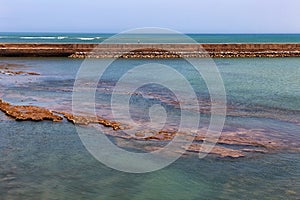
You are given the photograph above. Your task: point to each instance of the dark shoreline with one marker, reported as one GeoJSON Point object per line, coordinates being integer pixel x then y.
{"type": "Point", "coordinates": [149, 50]}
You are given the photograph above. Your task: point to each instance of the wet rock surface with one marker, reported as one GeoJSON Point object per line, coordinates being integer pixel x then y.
{"type": "Point", "coordinates": [24, 113]}
{"type": "Point", "coordinates": [85, 120]}
{"type": "Point", "coordinates": [218, 150]}
{"type": "Point", "coordinates": [11, 69]}
{"type": "Point", "coordinates": [36, 113]}
{"type": "Point", "coordinates": [232, 144]}
{"type": "Point", "coordinates": [12, 73]}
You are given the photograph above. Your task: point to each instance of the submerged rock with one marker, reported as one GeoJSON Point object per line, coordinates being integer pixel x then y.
{"type": "Point", "coordinates": [12, 73]}
{"type": "Point", "coordinates": [218, 150]}
{"type": "Point", "coordinates": [36, 113]}
{"type": "Point", "coordinates": [33, 113]}
{"type": "Point", "coordinates": [85, 120]}
{"type": "Point", "coordinates": [238, 142]}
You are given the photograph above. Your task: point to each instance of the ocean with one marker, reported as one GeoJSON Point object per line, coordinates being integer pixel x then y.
{"type": "Point", "coordinates": [146, 38]}
{"type": "Point", "coordinates": [47, 160]}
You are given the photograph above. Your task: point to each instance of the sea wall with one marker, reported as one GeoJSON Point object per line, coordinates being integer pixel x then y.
{"type": "Point", "coordinates": [149, 50]}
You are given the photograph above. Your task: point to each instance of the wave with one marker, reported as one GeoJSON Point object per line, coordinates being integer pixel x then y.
{"type": "Point", "coordinates": [43, 37]}
{"type": "Point", "coordinates": [62, 37]}
{"type": "Point", "coordinates": [86, 38]}
{"type": "Point", "coordinates": [34, 37]}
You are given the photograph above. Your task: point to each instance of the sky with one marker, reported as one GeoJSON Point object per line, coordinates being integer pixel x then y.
{"type": "Point", "coordinates": [187, 16]}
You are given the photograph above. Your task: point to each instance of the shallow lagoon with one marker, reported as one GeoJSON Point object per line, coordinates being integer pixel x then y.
{"type": "Point", "coordinates": [47, 160]}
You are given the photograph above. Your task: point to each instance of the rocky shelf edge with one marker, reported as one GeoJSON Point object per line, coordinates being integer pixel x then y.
{"type": "Point", "coordinates": [225, 147]}
{"type": "Point", "coordinates": [150, 50]}
{"type": "Point", "coordinates": [36, 113]}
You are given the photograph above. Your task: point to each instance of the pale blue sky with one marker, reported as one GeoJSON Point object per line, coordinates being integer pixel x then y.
{"type": "Point", "coordinates": [188, 16]}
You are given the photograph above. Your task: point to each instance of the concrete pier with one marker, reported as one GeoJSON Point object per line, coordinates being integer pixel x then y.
{"type": "Point", "coordinates": [149, 50]}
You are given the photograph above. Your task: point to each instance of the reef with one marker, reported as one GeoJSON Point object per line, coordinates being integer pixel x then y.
{"type": "Point", "coordinates": [218, 150]}
{"type": "Point", "coordinates": [233, 144]}
{"type": "Point", "coordinates": [24, 113]}
{"type": "Point", "coordinates": [36, 113]}
{"type": "Point", "coordinates": [85, 120]}
{"type": "Point", "coordinates": [12, 73]}
{"type": "Point", "coordinates": [5, 68]}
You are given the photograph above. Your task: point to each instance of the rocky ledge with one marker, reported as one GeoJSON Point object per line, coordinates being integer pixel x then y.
{"type": "Point", "coordinates": [12, 73]}
{"type": "Point", "coordinates": [23, 113]}
{"type": "Point", "coordinates": [36, 113]}
{"type": "Point", "coordinates": [232, 144]}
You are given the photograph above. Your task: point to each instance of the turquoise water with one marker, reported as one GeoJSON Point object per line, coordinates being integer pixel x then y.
{"type": "Point", "coordinates": [47, 160]}
{"type": "Point", "coordinates": [146, 38]}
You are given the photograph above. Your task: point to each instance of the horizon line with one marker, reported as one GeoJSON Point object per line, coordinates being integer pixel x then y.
{"type": "Point", "coordinates": [189, 33]}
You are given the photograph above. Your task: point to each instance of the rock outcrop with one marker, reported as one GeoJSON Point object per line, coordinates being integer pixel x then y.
{"type": "Point", "coordinates": [33, 113]}
{"type": "Point", "coordinates": [233, 144]}
{"type": "Point", "coordinates": [36, 113]}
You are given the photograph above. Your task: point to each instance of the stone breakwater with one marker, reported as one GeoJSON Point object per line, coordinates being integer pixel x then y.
{"type": "Point", "coordinates": [150, 50]}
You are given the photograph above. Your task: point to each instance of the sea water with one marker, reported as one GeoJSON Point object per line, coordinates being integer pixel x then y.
{"type": "Point", "coordinates": [145, 38]}
{"type": "Point", "coordinates": [46, 160]}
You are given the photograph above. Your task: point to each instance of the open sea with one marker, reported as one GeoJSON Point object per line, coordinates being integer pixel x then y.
{"type": "Point", "coordinates": [146, 38]}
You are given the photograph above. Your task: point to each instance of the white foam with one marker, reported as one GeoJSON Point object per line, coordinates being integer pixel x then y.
{"type": "Point", "coordinates": [35, 37]}
{"type": "Point", "coordinates": [61, 37]}
{"type": "Point", "coordinates": [85, 38]}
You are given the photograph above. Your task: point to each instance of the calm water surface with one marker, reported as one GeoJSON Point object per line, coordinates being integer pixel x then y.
{"type": "Point", "coordinates": [47, 160]}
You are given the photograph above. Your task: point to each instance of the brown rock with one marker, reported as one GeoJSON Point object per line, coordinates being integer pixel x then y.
{"type": "Point", "coordinates": [85, 120]}
{"type": "Point", "coordinates": [24, 113]}
{"type": "Point", "coordinates": [218, 150]}
{"type": "Point", "coordinates": [162, 135]}
{"type": "Point", "coordinates": [9, 72]}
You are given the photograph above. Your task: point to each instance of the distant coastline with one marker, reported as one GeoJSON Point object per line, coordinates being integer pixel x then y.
{"type": "Point", "coordinates": [79, 50]}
